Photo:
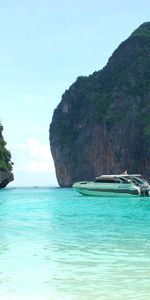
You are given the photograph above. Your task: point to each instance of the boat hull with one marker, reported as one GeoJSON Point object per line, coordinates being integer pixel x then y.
{"type": "Point", "coordinates": [117, 191]}
{"type": "Point", "coordinates": [106, 193]}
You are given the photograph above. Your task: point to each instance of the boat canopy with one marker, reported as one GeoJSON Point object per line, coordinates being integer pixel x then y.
{"type": "Point", "coordinates": [118, 176]}
{"type": "Point", "coordinates": [126, 178]}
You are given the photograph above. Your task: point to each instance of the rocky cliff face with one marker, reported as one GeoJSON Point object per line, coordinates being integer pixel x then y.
{"type": "Point", "coordinates": [5, 178]}
{"type": "Point", "coordinates": [6, 174]}
{"type": "Point", "coordinates": [102, 124]}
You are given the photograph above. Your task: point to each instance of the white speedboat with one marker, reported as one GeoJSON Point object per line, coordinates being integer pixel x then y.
{"type": "Point", "coordinates": [114, 185]}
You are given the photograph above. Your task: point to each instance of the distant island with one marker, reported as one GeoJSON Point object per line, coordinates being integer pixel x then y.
{"type": "Point", "coordinates": [6, 164]}
{"type": "Point", "coordinates": [102, 124]}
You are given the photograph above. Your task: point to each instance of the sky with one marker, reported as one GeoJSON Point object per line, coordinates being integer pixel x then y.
{"type": "Point", "coordinates": [45, 45]}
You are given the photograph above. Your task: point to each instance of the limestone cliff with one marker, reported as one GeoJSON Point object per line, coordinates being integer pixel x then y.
{"type": "Point", "coordinates": [102, 124]}
{"type": "Point", "coordinates": [6, 174]}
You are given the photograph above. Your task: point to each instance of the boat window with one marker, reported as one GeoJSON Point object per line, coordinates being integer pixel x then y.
{"type": "Point", "coordinates": [108, 180]}
{"type": "Point", "coordinates": [125, 180]}
{"type": "Point", "coordinates": [138, 180]}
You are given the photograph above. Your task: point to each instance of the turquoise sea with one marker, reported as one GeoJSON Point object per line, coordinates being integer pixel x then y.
{"type": "Point", "coordinates": [56, 244]}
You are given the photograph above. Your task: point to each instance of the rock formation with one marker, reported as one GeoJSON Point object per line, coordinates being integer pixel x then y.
{"type": "Point", "coordinates": [6, 174]}
{"type": "Point", "coordinates": [102, 124]}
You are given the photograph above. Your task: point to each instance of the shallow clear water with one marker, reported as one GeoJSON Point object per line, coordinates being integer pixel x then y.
{"type": "Point", "coordinates": [58, 245]}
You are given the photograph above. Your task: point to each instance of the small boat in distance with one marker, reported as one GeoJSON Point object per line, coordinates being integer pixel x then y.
{"type": "Point", "coordinates": [114, 185]}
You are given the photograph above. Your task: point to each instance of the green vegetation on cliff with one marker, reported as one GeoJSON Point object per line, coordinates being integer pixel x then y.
{"type": "Point", "coordinates": [143, 30]}
{"type": "Point", "coordinates": [127, 73]}
{"type": "Point", "coordinates": [5, 155]}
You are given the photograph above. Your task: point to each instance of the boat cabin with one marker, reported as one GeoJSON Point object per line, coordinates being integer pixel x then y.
{"type": "Point", "coordinates": [122, 178]}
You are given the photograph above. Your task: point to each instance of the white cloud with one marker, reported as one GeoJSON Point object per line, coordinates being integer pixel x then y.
{"type": "Point", "coordinates": [38, 149]}
{"type": "Point", "coordinates": [38, 155]}
{"type": "Point", "coordinates": [37, 166]}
